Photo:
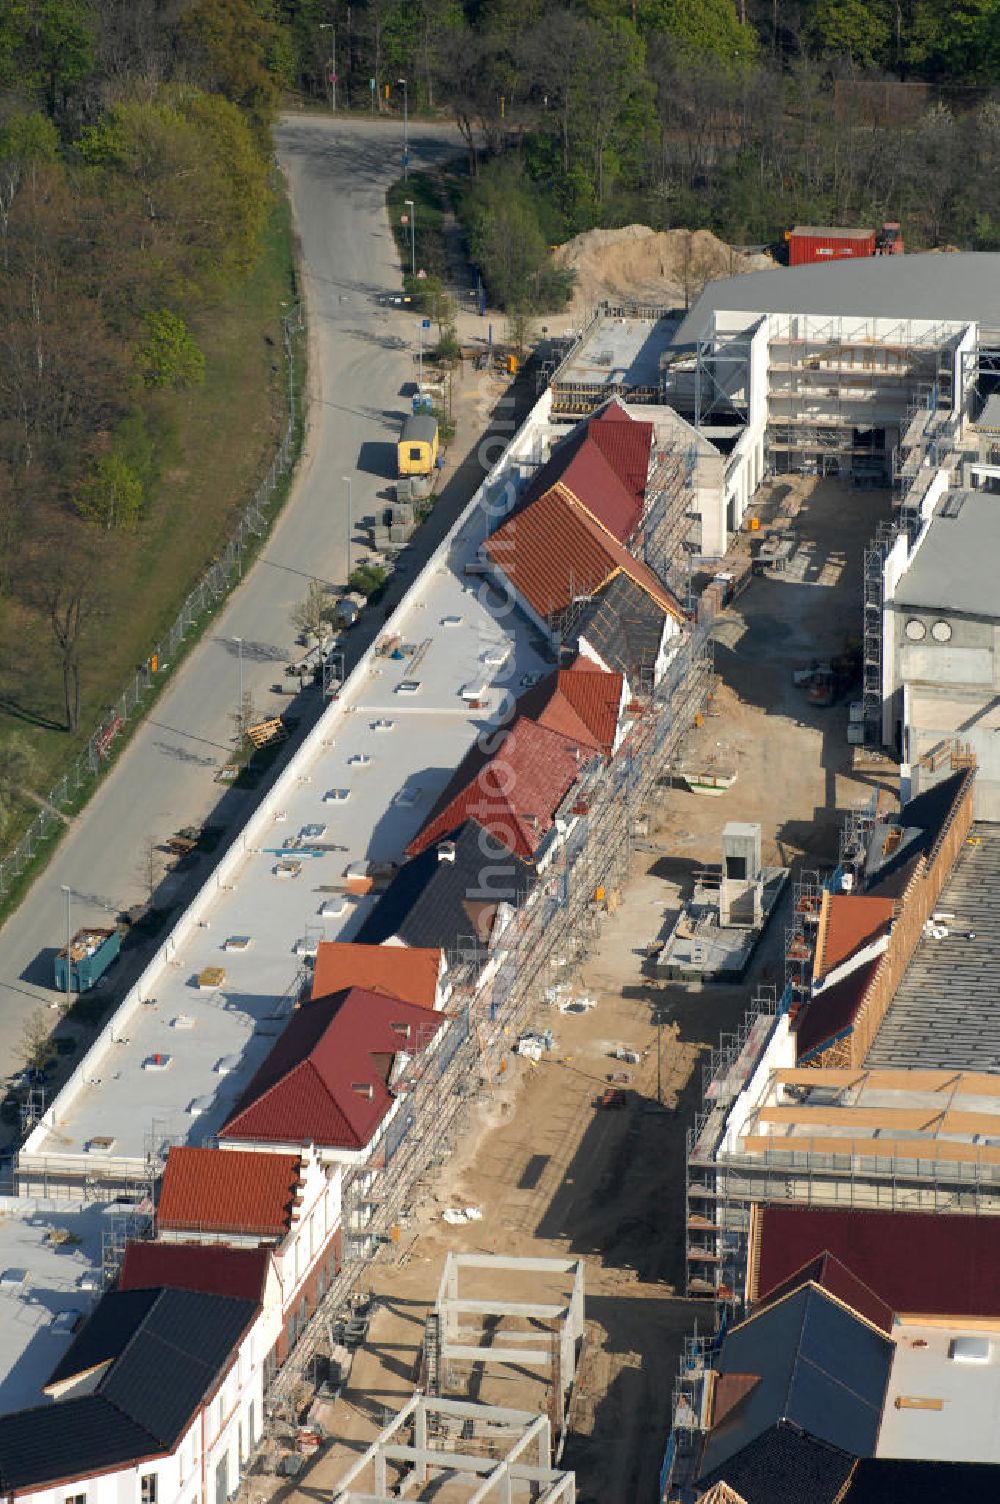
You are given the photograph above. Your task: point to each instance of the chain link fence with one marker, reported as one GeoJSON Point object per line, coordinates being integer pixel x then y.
{"type": "Point", "coordinates": [212, 588]}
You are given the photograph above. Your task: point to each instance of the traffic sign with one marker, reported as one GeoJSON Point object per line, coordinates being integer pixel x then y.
{"type": "Point", "coordinates": [425, 323]}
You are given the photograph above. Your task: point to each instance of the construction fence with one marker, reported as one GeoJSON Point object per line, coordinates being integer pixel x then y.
{"type": "Point", "coordinates": [211, 589]}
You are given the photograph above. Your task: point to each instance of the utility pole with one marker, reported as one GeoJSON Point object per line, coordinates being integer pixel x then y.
{"type": "Point", "coordinates": [413, 236]}
{"type": "Point", "coordinates": [406, 128]}
{"type": "Point", "coordinates": [332, 66]}
{"type": "Point", "coordinates": [69, 938]}
{"type": "Point", "coordinates": [347, 479]}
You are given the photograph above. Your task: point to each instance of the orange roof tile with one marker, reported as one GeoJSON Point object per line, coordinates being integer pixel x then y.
{"type": "Point", "coordinates": [410, 976]}
{"type": "Point", "coordinates": [849, 921]}
{"type": "Point", "coordinates": [218, 1190]}
{"type": "Point", "coordinates": [580, 702]}
{"type": "Point", "coordinates": [554, 552]}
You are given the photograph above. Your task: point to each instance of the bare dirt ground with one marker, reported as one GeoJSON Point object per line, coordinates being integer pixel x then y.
{"type": "Point", "coordinates": [556, 1176]}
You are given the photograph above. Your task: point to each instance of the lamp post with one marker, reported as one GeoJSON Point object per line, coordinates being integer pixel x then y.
{"type": "Point", "coordinates": [331, 28]}
{"type": "Point", "coordinates": [413, 236]}
{"type": "Point", "coordinates": [240, 728]}
{"type": "Point", "coordinates": [69, 937]}
{"type": "Point", "coordinates": [406, 127]}
{"type": "Point", "coordinates": [347, 480]}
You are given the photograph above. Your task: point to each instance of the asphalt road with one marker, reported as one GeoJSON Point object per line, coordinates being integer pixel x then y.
{"type": "Point", "coordinates": [361, 360]}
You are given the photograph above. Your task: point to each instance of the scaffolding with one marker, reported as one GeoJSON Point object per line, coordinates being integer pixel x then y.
{"type": "Point", "coordinates": [873, 636]}
{"type": "Point", "coordinates": [667, 522]}
{"type": "Point", "coordinates": [842, 393]}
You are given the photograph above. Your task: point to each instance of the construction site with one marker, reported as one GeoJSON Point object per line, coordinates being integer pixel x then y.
{"type": "Point", "coordinates": [528, 1147]}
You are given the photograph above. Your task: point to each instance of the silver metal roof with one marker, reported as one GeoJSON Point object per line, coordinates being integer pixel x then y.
{"type": "Point", "coordinates": [954, 566]}
{"type": "Point", "coordinates": [961, 287]}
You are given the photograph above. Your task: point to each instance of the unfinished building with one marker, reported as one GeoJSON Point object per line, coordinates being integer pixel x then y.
{"type": "Point", "coordinates": [857, 1086]}
{"type": "Point", "coordinates": [480, 1454]}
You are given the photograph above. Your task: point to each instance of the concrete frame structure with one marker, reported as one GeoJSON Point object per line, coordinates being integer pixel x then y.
{"type": "Point", "coordinates": [556, 1351]}
{"type": "Point", "coordinates": [486, 1480]}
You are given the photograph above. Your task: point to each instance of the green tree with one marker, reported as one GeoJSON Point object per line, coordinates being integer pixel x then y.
{"type": "Point", "coordinates": [703, 28]}
{"type": "Point", "coordinates": [111, 494]}
{"type": "Point", "coordinates": [168, 354]}
{"type": "Point", "coordinates": [858, 30]}
{"type": "Point", "coordinates": [46, 48]}
{"type": "Point", "coordinates": [26, 141]}
{"type": "Point", "coordinates": [235, 48]}
{"type": "Point", "coordinates": [955, 39]}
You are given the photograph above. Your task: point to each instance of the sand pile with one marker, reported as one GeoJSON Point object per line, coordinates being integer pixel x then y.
{"type": "Point", "coordinates": [666, 267]}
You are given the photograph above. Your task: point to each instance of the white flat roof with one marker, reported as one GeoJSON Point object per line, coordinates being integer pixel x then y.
{"type": "Point", "coordinates": [449, 621]}
{"type": "Point", "coordinates": [59, 1277]}
{"type": "Point", "coordinates": [966, 1427]}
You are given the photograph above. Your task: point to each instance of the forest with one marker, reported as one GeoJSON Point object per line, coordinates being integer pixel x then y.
{"type": "Point", "coordinates": [142, 237]}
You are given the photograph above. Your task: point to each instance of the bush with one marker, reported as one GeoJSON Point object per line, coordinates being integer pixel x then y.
{"type": "Point", "coordinates": [111, 496]}
{"type": "Point", "coordinates": [367, 579]}
{"type": "Point", "coordinates": [169, 355]}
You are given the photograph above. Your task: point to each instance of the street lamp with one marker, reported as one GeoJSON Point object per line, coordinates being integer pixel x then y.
{"type": "Point", "coordinates": [413, 236]}
{"type": "Point", "coordinates": [347, 478]}
{"type": "Point", "coordinates": [240, 728]}
{"type": "Point", "coordinates": [406, 127]}
{"type": "Point", "coordinates": [331, 28]}
{"type": "Point", "coordinates": [69, 937]}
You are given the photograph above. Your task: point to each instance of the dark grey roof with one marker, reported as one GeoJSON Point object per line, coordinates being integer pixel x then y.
{"type": "Point", "coordinates": [438, 903]}
{"type": "Point", "coordinates": [954, 566]}
{"type": "Point", "coordinates": [70, 1439]}
{"type": "Point", "coordinates": [960, 288]}
{"type": "Point", "coordinates": [920, 823]}
{"type": "Point", "coordinates": [625, 627]}
{"type": "Point", "coordinates": [943, 1014]}
{"type": "Point", "coordinates": [819, 1368]}
{"type": "Point", "coordinates": [168, 1349]}
{"type": "Point", "coordinates": [174, 1358]}
{"type": "Point", "coordinates": [107, 1332]}
{"type": "Point", "coordinates": [888, 1480]}
{"type": "Point", "coordinates": [785, 1466]}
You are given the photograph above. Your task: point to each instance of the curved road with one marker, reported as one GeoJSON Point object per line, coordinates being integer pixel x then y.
{"type": "Point", "coordinates": [360, 361]}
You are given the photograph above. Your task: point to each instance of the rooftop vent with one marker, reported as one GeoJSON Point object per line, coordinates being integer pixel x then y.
{"type": "Point", "coordinates": [158, 1062]}
{"type": "Point", "coordinates": [952, 504]}
{"type": "Point", "coordinates": [403, 1030]}
{"type": "Point", "coordinates": [446, 851]}
{"type": "Point", "coordinates": [969, 1349]}
{"type": "Point", "coordinates": [363, 1089]}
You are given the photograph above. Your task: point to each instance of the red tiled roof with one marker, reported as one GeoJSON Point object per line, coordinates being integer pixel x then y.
{"type": "Point", "coordinates": [580, 702]}
{"type": "Point", "coordinates": [210, 1268]}
{"type": "Point", "coordinates": [554, 552]}
{"type": "Point", "coordinates": [596, 697]}
{"type": "Point", "coordinates": [831, 1013]}
{"type": "Point", "coordinates": [325, 1080]}
{"type": "Point", "coordinates": [218, 1191]}
{"type": "Point", "coordinates": [828, 1272]}
{"type": "Point", "coordinates": [410, 975]}
{"type": "Point", "coordinates": [515, 794]}
{"type": "Point", "coordinates": [849, 921]}
{"type": "Point", "coordinates": [604, 464]}
{"type": "Point", "coordinates": [625, 443]}
{"type": "Point", "coordinates": [919, 1263]}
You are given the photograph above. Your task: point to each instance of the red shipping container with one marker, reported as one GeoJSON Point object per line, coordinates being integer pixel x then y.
{"type": "Point", "coordinates": [807, 243]}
